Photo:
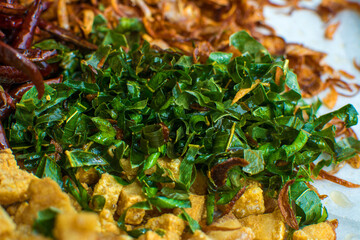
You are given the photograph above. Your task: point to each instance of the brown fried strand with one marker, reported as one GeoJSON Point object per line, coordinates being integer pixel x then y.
{"type": "Point", "coordinates": [285, 208]}
{"type": "Point", "coordinates": [219, 171]}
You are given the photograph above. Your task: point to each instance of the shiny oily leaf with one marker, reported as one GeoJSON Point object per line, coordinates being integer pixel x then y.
{"type": "Point", "coordinates": [256, 161]}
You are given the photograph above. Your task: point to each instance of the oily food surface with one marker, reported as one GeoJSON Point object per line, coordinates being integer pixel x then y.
{"type": "Point", "coordinates": [170, 129]}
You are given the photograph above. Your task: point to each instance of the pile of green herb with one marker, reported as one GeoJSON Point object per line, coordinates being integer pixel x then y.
{"type": "Point", "coordinates": [231, 118]}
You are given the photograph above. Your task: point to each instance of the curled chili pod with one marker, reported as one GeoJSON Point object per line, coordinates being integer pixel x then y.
{"type": "Point", "coordinates": [5, 111]}
{"type": "Point", "coordinates": [165, 131]}
{"type": "Point", "coordinates": [25, 36]}
{"type": "Point", "coordinates": [46, 68]}
{"type": "Point", "coordinates": [3, 140]}
{"type": "Point", "coordinates": [10, 22]}
{"type": "Point", "coordinates": [10, 75]}
{"type": "Point", "coordinates": [219, 171]}
{"type": "Point", "coordinates": [12, 8]}
{"type": "Point", "coordinates": [38, 55]}
{"type": "Point", "coordinates": [65, 35]}
{"type": "Point", "coordinates": [10, 56]}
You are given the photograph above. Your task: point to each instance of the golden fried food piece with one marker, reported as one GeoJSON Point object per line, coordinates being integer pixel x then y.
{"type": "Point", "coordinates": [14, 182]}
{"type": "Point", "coordinates": [44, 193]}
{"type": "Point", "coordinates": [7, 225]}
{"type": "Point", "coordinates": [199, 235]}
{"type": "Point", "coordinates": [130, 195]}
{"type": "Point", "coordinates": [250, 203]}
{"type": "Point", "coordinates": [113, 236]}
{"type": "Point", "coordinates": [172, 166]}
{"type": "Point", "coordinates": [150, 235]}
{"type": "Point", "coordinates": [229, 227]}
{"type": "Point", "coordinates": [7, 160]}
{"type": "Point", "coordinates": [89, 176]}
{"type": "Point", "coordinates": [75, 226]}
{"type": "Point", "coordinates": [268, 226]}
{"type": "Point", "coordinates": [110, 189]}
{"type": "Point", "coordinates": [130, 172]}
{"type": "Point", "coordinates": [197, 207]}
{"type": "Point", "coordinates": [171, 224]}
{"type": "Point", "coordinates": [320, 231]}
{"type": "Point", "coordinates": [23, 232]}
{"type": "Point", "coordinates": [243, 233]}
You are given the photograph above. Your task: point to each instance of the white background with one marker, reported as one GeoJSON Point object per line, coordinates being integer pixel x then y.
{"type": "Point", "coordinates": [306, 27]}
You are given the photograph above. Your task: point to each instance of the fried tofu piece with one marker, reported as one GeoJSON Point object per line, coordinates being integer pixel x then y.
{"type": "Point", "coordinates": [199, 235]}
{"type": "Point", "coordinates": [251, 202]}
{"type": "Point", "coordinates": [243, 233]}
{"type": "Point", "coordinates": [171, 166]}
{"type": "Point", "coordinates": [130, 172]}
{"type": "Point", "coordinates": [229, 228]}
{"type": "Point", "coordinates": [7, 225]}
{"type": "Point", "coordinates": [75, 226]}
{"type": "Point", "coordinates": [268, 226]}
{"type": "Point", "coordinates": [25, 232]}
{"type": "Point", "coordinates": [172, 225]}
{"type": "Point", "coordinates": [197, 207]}
{"type": "Point", "coordinates": [150, 235]}
{"type": "Point", "coordinates": [320, 231]}
{"type": "Point", "coordinates": [89, 176]}
{"type": "Point", "coordinates": [7, 159]}
{"type": "Point", "coordinates": [107, 222]}
{"type": "Point", "coordinates": [14, 182]}
{"type": "Point", "coordinates": [130, 195]}
{"type": "Point", "coordinates": [110, 189]}
{"type": "Point", "coordinates": [44, 193]}
{"type": "Point", "coordinates": [113, 236]}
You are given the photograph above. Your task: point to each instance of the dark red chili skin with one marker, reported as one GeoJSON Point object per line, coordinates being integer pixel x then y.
{"type": "Point", "coordinates": [2, 35]}
{"type": "Point", "coordinates": [65, 35]}
{"type": "Point", "coordinates": [5, 111]}
{"type": "Point", "coordinates": [10, 56]}
{"type": "Point", "coordinates": [38, 55]}
{"type": "Point", "coordinates": [25, 36]}
{"type": "Point", "coordinates": [9, 100]}
{"type": "Point", "coordinates": [10, 22]}
{"type": "Point", "coordinates": [3, 140]}
{"type": "Point", "coordinates": [46, 68]}
{"type": "Point", "coordinates": [12, 8]}
{"type": "Point", "coordinates": [11, 75]}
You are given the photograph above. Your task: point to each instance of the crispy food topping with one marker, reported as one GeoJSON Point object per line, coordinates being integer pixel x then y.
{"type": "Point", "coordinates": [144, 97]}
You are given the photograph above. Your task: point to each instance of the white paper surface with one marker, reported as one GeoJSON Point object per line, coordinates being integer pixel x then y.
{"type": "Point", "coordinates": [307, 28]}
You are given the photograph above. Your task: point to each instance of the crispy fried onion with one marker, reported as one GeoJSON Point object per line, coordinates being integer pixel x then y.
{"type": "Point", "coordinates": [330, 8]}
{"type": "Point", "coordinates": [331, 29]}
{"type": "Point", "coordinates": [219, 171]}
{"type": "Point", "coordinates": [356, 65]}
{"type": "Point", "coordinates": [325, 175]}
{"type": "Point", "coordinates": [341, 129]}
{"type": "Point", "coordinates": [321, 196]}
{"type": "Point", "coordinates": [285, 208]}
